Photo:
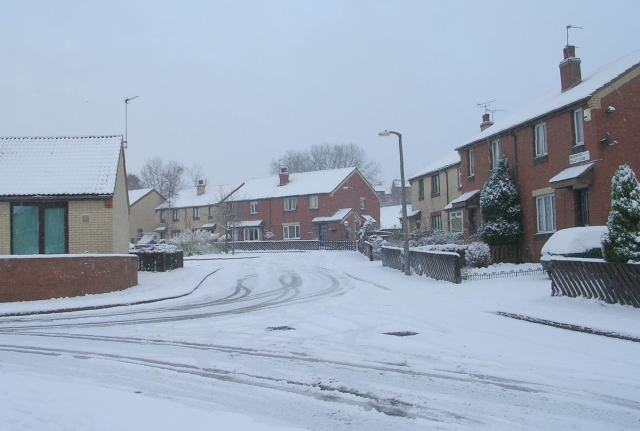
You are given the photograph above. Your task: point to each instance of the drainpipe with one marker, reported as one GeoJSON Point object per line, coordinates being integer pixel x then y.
{"type": "Point", "coordinates": [515, 151]}
{"type": "Point", "coordinates": [446, 178]}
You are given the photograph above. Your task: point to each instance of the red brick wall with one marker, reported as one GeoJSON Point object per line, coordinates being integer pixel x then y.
{"type": "Point", "coordinates": [273, 215]}
{"type": "Point", "coordinates": [34, 278]}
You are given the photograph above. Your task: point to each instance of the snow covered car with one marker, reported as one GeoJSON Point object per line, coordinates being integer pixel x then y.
{"type": "Point", "coordinates": [574, 242]}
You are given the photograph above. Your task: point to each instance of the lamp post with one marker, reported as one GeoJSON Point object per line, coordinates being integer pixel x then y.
{"type": "Point", "coordinates": [405, 225]}
{"type": "Point", "coordinates": [353, 213]}
{"type": "Point", "coordinates": [126, 120]}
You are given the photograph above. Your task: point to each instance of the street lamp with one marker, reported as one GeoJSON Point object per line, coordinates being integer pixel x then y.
{"type": "Point", "coordinates": [353, 213]}
{"type": "Point", "coordinates": [405, 225]}
{"type": "Point", "coordinates": [126, 120]}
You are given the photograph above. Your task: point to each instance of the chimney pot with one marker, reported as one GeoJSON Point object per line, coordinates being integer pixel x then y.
{"type": "Point", "coordinates": [486, 122]}
{"type": "Point", "coordinates": [200, 188]}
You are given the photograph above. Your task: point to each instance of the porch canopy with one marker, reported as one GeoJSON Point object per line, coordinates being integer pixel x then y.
{"type": "Point", "coordinates": [577, 177]}
{"type": "Point", "coordinates": [463, 200]}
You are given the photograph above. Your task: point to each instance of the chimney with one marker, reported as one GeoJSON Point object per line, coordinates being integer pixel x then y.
{"type": "Point", "coordinates": [570, 74]}
{"type": "Point", "coordinates": [284, 176]}
{"type": "Point", "coordinates": [486, 122]}
{"type": "Point", "coordinates": [200, 187]}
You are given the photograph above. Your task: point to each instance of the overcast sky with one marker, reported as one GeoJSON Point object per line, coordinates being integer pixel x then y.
{"type": "Point", "coordinates": [233, 84]}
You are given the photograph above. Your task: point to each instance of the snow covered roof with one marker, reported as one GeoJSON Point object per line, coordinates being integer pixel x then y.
{"type": "Point", "coordinates": [367, 217]}
{"type": "Point", "coordinates": [189, 198]}
{"type": "Point", "coordinates": [462, 198]}
{"type": "Point", "coordinates": [248, 223]}
{"type": "Point", "coordinates": [136, 195]}
{"type": "Point", "coordinates": [390, 216]}
{"type": "Point", "coordinates": [556, 99]}
{"type": "Point", "coordinates": [452, 158]}
{"type": "Point", "coordinates": [59, 166]}
{"type": "Point", "coordinates": [398, 183]}
{"type": "Point", "coordinates": [208, 225]}
{"type": "Point", "coordinates": [300, 184]}
{"type": "Point", "coordinates": [337, 216]}
{"type": "Point", "coordinates": [572, 172]}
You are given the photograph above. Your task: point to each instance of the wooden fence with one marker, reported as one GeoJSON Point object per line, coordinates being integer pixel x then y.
{"type": "Point", "coordinates": [157, 261]}
{"type": "Point", "coordinates": [292, 245]}
{"type": "Point", "coordinates": [614, 283]}
{"type": "Point", "coordinates": [511, 253]}
{"type": "Point", "coordinates": [435, 264]}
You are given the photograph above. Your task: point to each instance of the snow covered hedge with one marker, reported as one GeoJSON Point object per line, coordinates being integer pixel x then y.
{"type": "Point", "coordinates": [196, 242]}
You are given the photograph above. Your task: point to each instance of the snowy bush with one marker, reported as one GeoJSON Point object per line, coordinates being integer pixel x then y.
{"type": "Point", "coordinates": [195, 242]}
{"type": "Point", "coordinates": [478, 255]}
{"type": "Point", "coordinates": [622, 243]}
{"type": "Point", "coordinates": [424, 237]}
{"type": "Point", "coordinates": [378, 241]}
{"type": "Point", "coordinates": [268, 235]}
{"type": "Point", "coordinates": [500, 207]}
{"type": "Point", "coordinates": [368, 226]}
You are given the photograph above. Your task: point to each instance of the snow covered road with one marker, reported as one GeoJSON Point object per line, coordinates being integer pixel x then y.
{"type": "Point", "coordinates": [299, 341]}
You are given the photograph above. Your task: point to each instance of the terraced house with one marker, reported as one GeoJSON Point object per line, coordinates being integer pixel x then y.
{"type": "Point", "coordinates": [563, 149]}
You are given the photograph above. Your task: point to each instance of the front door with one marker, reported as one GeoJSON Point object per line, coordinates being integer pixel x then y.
{"type": "Point", "coordinates": [323, 232]}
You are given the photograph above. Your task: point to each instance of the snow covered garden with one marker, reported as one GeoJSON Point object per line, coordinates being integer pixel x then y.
{"type": "Point", "coordinates": [320, 340]}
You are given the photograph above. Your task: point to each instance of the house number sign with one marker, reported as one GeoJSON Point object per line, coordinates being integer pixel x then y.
{"type": "Point", "coordinates": [579, 157]}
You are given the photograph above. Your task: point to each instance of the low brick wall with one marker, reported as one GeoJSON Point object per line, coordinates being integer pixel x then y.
{"type": "Point", "coordinates": [30, 278]}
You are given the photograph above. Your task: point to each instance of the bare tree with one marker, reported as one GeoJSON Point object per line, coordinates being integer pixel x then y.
{"type": "Point", "coordinates": [328, 156]}
{"type": "Point", "coordinates": [167, 179]}
{"type": "Point", "coordinates": [194, 174]}
{"type": "Point", "coordinates": [226, 211]}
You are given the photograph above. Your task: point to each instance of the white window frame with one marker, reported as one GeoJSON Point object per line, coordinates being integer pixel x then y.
{"type": "Point", "coordinates": [287, 234]}
{"type": "Point", "coordinates": [435, 184]}
{"type": "Point", "coordinates": [161, 216]}
{"type": "Point", "coordinates": [234, 208]}
{"type": "Point", "coordinates": [471, 162]}
{"type": "Point", "coordinates": [290, 204]}
{"type": "Point", "coordinates": [176, 215]}
{"type": "Point", "coordinates": [541, 139]}
{"type": "Point", "coordinates": [313, 202]}
{"type": "Point", "coordinates": [459, 177]}
{"type": "Point", "coordinates": [456, 215]}
{"type": "Point", "coordinates": [578, 126]}
{"type": "Point", "coordinates": [495, 152]}
{"type": "Point", "coordinates": [546, 213]}
{"type": "Point", "coordinates": [211, 212]}
{"type": "Point", "coordinates": [253, 207]}
{"type": "Point", "coordinates": [175, 234]}
{"type": "Point", "coordinates": [436, 222]}
{"type": "Point", "coordinates": [196, 213]}
{"type": "Point", "coordinates": [362, 204]}
{"type": "Point", "coordinates": [252, 234]}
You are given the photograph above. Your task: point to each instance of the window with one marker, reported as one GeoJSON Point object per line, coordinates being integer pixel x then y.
{"type": "Point", "coordinates": [175, 234]}
{"type": "Point", "coordinates": [291, 232]}
{"type": "Point", "coordinates": [435, 184]}
{"type": "Point", "coordinates": [39, 228]}
{"type": "Point", "coordinates": [290, 204]}
{"type": "Point", "coordinates": [362, 207]}
{"type": "Point", "coordinates": [459, 177]}
{"type": "Point", "coordinates": [139, 234]}
{"type": "Point", "coordinates": [577, 119]}
{"type": "Point", "coordinates": [436, 222]}
{"type": "Point", "coordinates": [421, 189]}
{"type": "Point", "coordinates": [253, 207]}
{"type": "Point", "coordinates": [163, 235]}
{"type": "Point", "coordinates": [471, 162]}
{"type": "Point", "coordinates": [196, 213]}
{"type": "Point", "coordinates": [455, 221]}
{"type": "Point", "coordinates": [161, 216]}
{"type": "Point", "coordinates": [252, 234]}
{"type": "Point", "coordinates": [313, 202]}
{"type": "Point", "coordinates": [495, 152]}
{"type": "Point", "coordinates": [211, 212]}
{"type": "Point", "coordinates": [546, 207]}
{"type": "Point", "coordinates": [541, 139]}
{"type": "Point", "coordinates": [234, 208]}
{"type": "Point", "coordinates": [175, 215]}
{"type": "Point", "coordinates": [582, 205]}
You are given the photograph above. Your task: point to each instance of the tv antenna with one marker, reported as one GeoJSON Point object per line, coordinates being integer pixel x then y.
{"type": "Point", "coordinates": [485, 105]}
{"type": "Point", "coordinates": [126, 117]}
{"type": "Point", "coordinates": [571, 26]}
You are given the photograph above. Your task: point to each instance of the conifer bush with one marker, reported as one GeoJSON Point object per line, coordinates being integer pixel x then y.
{"type": "Point", "coordinates": [500, 207]}
{"type": "Point", "coordinates": [622, 243]}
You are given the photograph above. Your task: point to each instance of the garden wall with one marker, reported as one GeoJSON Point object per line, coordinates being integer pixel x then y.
{"type": "Point", "coordinates": [30, 278]}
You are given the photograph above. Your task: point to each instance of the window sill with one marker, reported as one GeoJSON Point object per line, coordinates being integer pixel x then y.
{"type": "Point", "coordinates": [542, 236]}
{"type": "Point", "coordinates": [577, 149]}
{"type": "Point", "coordinates": [420, 198]}
{"type": "Point", "coordinates": [196, 218]}
{"type": "Point", "coordinates": [435, 195]}
{"type": "Point", "coordinates": [471, 178]}
{"type": "Point", "coordinates": [540, 159]}
{"type": "Point", "coordinates": [175, 220]}
{"type": "Point", "coordinates": [210, 217]}
{"type": "Point", "coordinates": [313, 209]}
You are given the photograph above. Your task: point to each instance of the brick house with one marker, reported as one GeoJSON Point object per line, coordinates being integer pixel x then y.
{"type": "Point", "coordinates": [432, 189]}
{"type": "Point", "coordinates": [142, 215]}
{"type": "Point", "coordinates": [63, 195]}
{"type": "Point", "coordinates": [563, 149]}
{"type": "Point", "coordinates": [192, 209]}
{"type": "Point", "coordinates": [321, 205]}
